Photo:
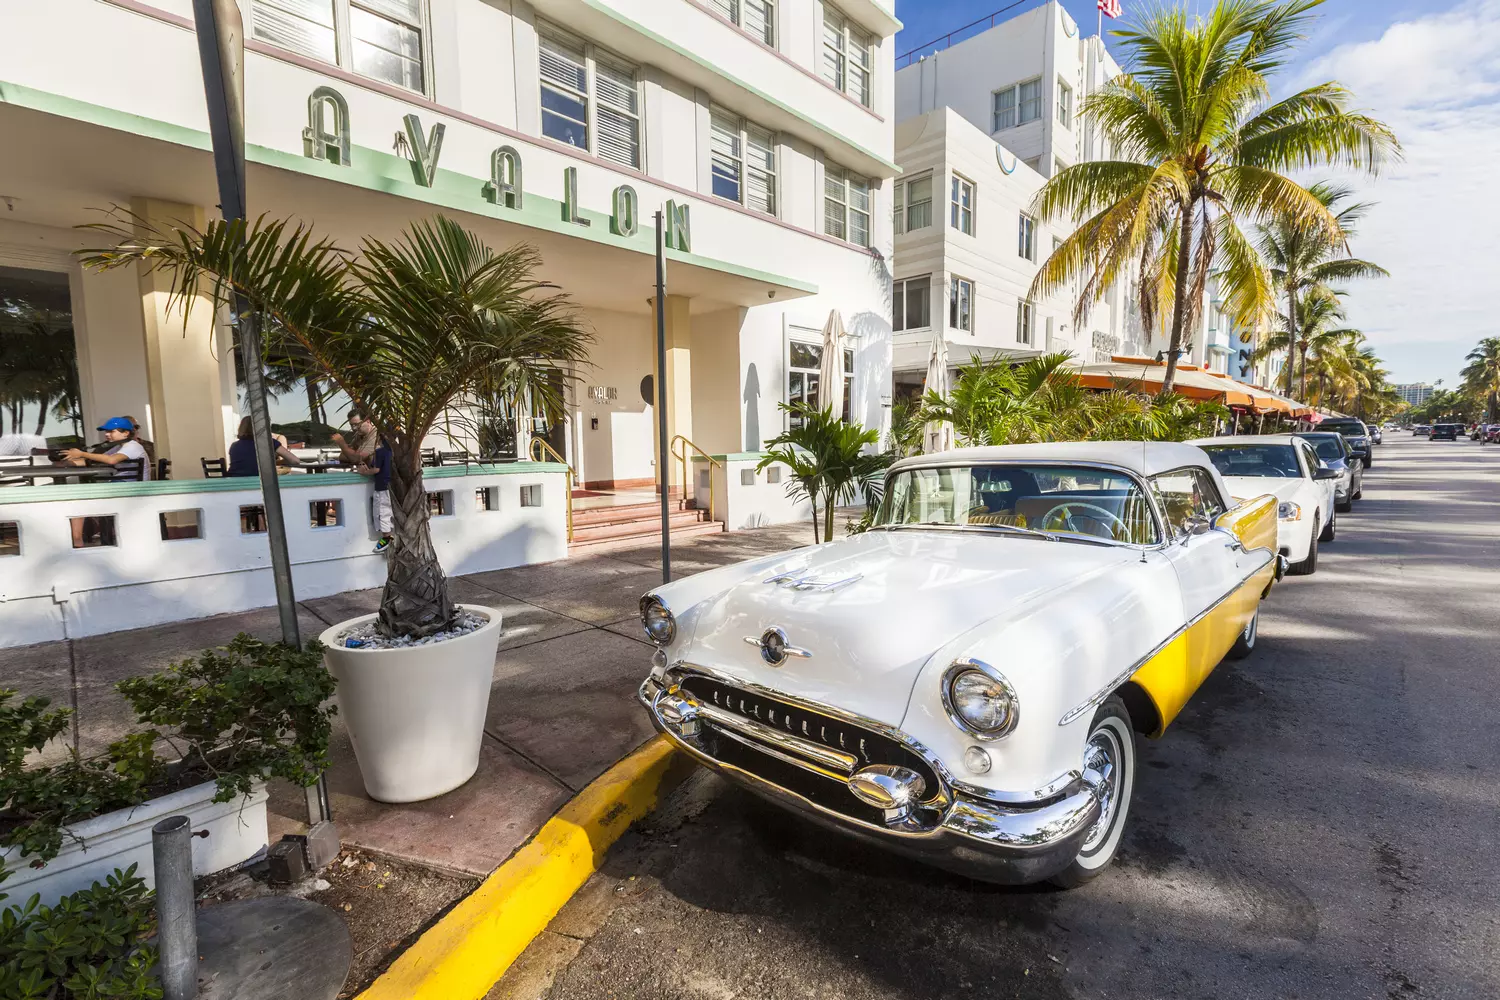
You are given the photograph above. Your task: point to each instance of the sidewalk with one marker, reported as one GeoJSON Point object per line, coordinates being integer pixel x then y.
{"type": "Point", "coordinates": [562, 706]}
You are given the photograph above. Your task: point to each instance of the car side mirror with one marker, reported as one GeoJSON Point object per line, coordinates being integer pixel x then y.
{"type": "Point", "coordinates": [1323, 474]}
{"type": "Point", "coordinates": [1196, 525]}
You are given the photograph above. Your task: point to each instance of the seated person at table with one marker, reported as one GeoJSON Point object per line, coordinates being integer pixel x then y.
{"type": "Point", "coordinates": [242, 460]}
{"type": "Point", "coordinates": [119, 445]}
{"type": "Point", "coordinates": [362, 448]}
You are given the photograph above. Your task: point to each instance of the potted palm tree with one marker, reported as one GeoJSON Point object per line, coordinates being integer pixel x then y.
{"type": "Point", "coordinates": [412, 331]}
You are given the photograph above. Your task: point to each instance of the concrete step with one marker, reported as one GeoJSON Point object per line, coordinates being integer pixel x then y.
{"type": "Point", "coordinates": [637, 526]}
{"type": "Point", "coordinates": [630, 513]}
{"type": "Point", "coordinates": [595, 539]}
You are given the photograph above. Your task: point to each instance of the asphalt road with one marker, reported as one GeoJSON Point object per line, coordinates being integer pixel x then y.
{"type": "Point", "coordinates": [1322, 821]}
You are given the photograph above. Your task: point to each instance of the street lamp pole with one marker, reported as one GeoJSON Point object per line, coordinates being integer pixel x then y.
{"type": "Point", "coordinates": [221, 50]}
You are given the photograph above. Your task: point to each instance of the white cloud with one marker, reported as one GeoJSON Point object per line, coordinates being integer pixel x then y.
{"type": "Point", "coordinates": [1436, 226]}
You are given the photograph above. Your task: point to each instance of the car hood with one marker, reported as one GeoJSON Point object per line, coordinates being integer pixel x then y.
{"type": "Point", "coordinates": [871, 610]}
{"type": "Point", "coordinates": [1250, 487]}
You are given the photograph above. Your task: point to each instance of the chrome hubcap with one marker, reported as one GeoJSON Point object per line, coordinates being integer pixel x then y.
{"type": "Point", "coordinates": [1101, 770]}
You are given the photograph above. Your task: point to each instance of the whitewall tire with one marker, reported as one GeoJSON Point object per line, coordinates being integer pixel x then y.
{"type": "Point", "coordinates": [1109, 766]}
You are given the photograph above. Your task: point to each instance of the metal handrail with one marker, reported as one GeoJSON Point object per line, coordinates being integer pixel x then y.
{"type": "Point", "coordinates": [539, 454]}
{"type": "Point", "coordinates": [687, 481]}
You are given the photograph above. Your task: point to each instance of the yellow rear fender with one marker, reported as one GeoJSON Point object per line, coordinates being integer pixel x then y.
{"type": "Point", "coordinates": [1253, 522]}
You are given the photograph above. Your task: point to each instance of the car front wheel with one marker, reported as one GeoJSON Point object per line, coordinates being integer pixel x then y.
{"type": "Point", "coordinates": [1109, 767]}
{"type": "Point", "coordinates": [1330, 531]}
{"type": "Point", "coordinates": [1308, 566]}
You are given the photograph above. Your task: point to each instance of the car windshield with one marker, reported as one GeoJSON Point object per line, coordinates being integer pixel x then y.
{"type": "Point", "coordinates": [1061, 500]}
{"type": "Point", "coordinates": [1328, 448]}
{"type": "Point", "coordinates": [1353, 427]}
{"type": "Point", "coordinates": [1277, 461]}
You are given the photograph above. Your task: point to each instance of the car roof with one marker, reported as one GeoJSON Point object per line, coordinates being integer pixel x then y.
{"type": "Point", "coordinates": [1146, 458]}
{"type": "Point", "coordinates": [1245, 439]}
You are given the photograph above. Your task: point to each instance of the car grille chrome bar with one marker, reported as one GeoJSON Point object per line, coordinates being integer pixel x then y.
{"type": "Point", "coordinates": [834, 760]}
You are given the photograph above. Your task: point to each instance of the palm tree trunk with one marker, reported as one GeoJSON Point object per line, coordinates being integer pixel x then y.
{"type": "Point", "coordinates": [812, 496]}
{"type": "Point", "coordinates": [41, 413]}
{"type": "Point", "coordinates": [314, 415]}
{"type": "Point", "coordinates": [828, 517]}
{"type": "Point", "coordinates": [1291, 336]}
{"type": "Point", "coordinates": [416, 600]}
{"type": "Point", "coordinates": [1179, 304]}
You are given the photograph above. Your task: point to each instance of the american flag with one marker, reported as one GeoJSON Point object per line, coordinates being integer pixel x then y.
{"type": "Point", "coordinates": [1110, 7]}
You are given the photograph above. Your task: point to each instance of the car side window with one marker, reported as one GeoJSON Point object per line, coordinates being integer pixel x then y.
{"type": "Point", "coordinates": [1309, 458]}
{"type": "Point", "coordinates": [1185, 494]}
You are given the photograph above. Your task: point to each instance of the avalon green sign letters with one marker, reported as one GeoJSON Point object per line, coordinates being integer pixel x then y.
{"type": "Point", "coordinates": [326, 137]}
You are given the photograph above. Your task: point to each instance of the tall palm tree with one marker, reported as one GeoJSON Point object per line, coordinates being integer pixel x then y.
{"type": "Point", "coordinates": [1201, 151]}
{"type": "Point", "coordinates": [1301, 257]}
{"type": "Point", "coordinates": [412, 331]}
{"type": "Point", "coordinates": [1482, 375]}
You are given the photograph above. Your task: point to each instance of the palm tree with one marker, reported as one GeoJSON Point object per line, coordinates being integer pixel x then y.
{"type": "Point", "coordinates": [1200, 151]}
{"type": "Point", "coordinates": [828, 459]}
{"type": "Point", "coordinates": [411, 331]}
{"type": "Point", "coordinates": [1482, 375]}
{"type": "Point", "coordinates": [1301, 257]}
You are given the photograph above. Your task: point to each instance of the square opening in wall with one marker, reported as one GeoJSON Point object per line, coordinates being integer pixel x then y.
{"type": "Point", "coordinates": [531, 496]}
{"type": "Point", "coordinates": [747, 477]}
{"type": "Point", "coordinates": [179, 524]}
{"type": "Point", "coordinates": [773, 475]}
{"type": "Point", "coordinates": [10, 538]}
{"type": "Point", "coordinates": [487, 498]}
{"type": "Point", "coordinates": [440, 503]}
{"type": "Point", "coordinates": [93, 532]}
{"type": "Point", "coordinates": [325, 513]}
{"type": "Point", "coordinates": [252, 519]}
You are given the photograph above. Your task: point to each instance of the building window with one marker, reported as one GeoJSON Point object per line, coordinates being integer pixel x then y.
{"type": "Point", "coordinates": [1026, 237]}
{"type": "Point", "coordinates": [93, 532]}
{"type": "Point", "coordinates": [589, 100]}
{"type": "Point", "coordinates": [325, 513]}
{"type": "Point", "coordinates": [961, 208]}
{"type": "Point", "coordinates": [252, 519]}
{"type": "Point", "coordinates": [531, 496]}
{"type": "Point", "coordinates": [380, 39]}
{"type": "Point", "coordinates": [1064, 105]}
{"type": "Point", "coordinates": [848, 56]}
{"type": "Point", "coordinates": [180, 524]}
{"type": "Point", "coordinates": [803, 364]}
{"type": "Point", "coordinates": [440, 503]}
{"type": "Point", "coordinates": [756, 17]}
{"type": "Point", "coordinates": [487, 498]}
{"type": "Point", "coordinates": [913, 204]}
{"type": "Point", "coordinates": [961, 304]}
{"type": "Point", "coordinates": [743, 161]}
{"type": "Point", "coordinates": [10, 538]}
{"type": "Point", "coordinates": [1025, 321]}
{"type": "Point", "coordinates": [1017, 105]}
{"type": "Point", "coordinates": [846, 206]}
{"type": "Point", "coordinates": [911, 303]}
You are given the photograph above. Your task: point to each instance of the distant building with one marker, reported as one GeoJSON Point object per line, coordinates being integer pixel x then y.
{"type": "Point", "coordinates": [1414, 393]}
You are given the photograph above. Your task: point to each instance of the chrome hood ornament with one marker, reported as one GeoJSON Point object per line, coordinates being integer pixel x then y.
{"type": "Point", "coordinates": [774, 648]}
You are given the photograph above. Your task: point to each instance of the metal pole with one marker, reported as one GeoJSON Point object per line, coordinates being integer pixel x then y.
{"type": "Point", "coordinates": [221, 51]}
{"type": "Point", "coordinates": [176, 923]}
{"type": "Point", "coordinates": [661, 399]}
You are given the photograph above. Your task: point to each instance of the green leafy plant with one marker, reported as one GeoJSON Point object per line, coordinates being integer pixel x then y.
{"type": "Point", "coordinates": [828, 459]}
{"type": "Point", "coordinates": [93, 945]}
{"type": "Point", "coordinates": [243, 713]}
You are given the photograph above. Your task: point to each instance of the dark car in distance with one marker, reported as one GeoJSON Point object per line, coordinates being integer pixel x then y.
{"type": "Point", "coordinates": [1446, 432]}
{"type": "Point", "coordinates": [1354, 431]}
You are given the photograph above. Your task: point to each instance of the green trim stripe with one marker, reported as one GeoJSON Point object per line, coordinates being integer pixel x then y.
{"type": "Point", "coordinates": [169, 487]}
{"type": "Point", "coordinates": [386, 173]}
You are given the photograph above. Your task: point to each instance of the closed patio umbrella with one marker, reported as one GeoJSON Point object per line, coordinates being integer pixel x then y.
{"type": "Point", "coordinates": [938, 434]}
{"type": "Point", "coordinates": [831, 371]}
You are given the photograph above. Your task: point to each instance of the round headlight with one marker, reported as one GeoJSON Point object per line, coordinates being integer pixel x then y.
{"type": "Point", "coordinates": [1289, 511]}
{"type": "Point", "coordinates": [657, 620]}
{"type": "Point", "coordinates": [979, 700]}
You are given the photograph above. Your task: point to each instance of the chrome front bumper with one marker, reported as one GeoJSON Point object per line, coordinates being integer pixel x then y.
{"type": "Point", "coordinates": [965, 833]}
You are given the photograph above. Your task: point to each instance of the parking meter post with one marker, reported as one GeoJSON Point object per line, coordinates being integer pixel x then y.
{"type": "Point", "coordinates": [176, 921]}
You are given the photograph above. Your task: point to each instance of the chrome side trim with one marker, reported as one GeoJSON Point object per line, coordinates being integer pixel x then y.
{"type": "Point", "coordinates": [1104, 692]}
{"type": "Point", "coordinates": [834, 763]}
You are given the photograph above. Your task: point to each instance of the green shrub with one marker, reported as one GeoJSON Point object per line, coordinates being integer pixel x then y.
{"type": "Point", "coordinates": [91, 946]}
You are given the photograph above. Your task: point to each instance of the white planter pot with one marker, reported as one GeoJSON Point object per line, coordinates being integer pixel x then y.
{"type": "Point", "coordinates": [236, 833]}
{"type": "Point", "coordinates": [415, 714]}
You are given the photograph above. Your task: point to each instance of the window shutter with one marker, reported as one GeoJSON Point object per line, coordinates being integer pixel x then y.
{"type": "Point", "coordinates": [726, 156]}
{"type": "Point", "coordinates": [618, 114]}
{"type": "Point", "coordinates": [760, 159]}
{"type": "Point", "coordinates": [304, 26]}
{"type": "Point", "coordinates": [760, 20]}
{"type": "Point", "coordinates": [728, 8]}
{"type": "Point", "coordinates": [563, 65]}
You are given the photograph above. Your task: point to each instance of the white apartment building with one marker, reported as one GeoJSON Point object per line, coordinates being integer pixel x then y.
{"type": "Point", "coordinates": [764, 129]}
{"type": "Point", "coordinates": [980, 127]}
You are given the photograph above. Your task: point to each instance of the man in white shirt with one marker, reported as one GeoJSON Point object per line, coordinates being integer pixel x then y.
{"type": "Point", "coordinates": [119, 435]}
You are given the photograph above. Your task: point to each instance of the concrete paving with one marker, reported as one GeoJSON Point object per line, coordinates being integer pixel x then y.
{"type": "Point", "coordinates": [1319, 823]}
{"type": "Point", "coordinates": [562, 708]}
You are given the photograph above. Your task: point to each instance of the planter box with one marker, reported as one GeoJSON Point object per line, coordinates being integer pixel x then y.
{"type": "Point", "coordinates": [236, 832]}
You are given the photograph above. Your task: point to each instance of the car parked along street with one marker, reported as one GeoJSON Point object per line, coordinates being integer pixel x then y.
{"type": "Point", "coordinates": [1287, 466]}
{"type": "Point", "coordinates": [1335, 452]}
{"type": "Point", "coordinates": [1355, 432]}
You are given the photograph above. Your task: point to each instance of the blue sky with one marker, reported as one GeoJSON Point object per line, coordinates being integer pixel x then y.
{"type": "Point", "coordinates": [1431, 69]}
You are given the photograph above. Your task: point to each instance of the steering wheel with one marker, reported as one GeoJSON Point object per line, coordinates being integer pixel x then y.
{"type": "Point", "coordinates": [1067, 509]}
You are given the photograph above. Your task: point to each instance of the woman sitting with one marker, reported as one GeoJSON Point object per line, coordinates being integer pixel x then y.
{"type": "Point", "coordinates": [242, 460]}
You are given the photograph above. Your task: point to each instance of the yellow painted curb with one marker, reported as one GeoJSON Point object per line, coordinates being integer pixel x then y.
{"type": "Point", "coordinates": [468, 950]}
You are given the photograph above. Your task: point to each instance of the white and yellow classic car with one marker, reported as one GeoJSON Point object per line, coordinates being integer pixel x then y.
{"type": "Point", "coordinates": [963, 682]}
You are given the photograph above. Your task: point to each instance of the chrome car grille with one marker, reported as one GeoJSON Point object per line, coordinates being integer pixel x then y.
{"type": "Point", "coordinates": [862, 745]}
